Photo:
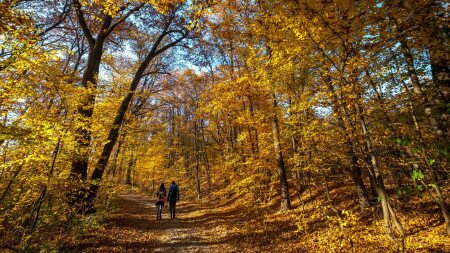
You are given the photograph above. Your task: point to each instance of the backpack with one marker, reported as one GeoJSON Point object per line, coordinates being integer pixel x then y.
{"type": "Point", "coordinates": [161, 195]}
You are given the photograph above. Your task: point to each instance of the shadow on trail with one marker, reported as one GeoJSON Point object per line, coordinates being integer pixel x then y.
{"type": "Point", "coordinates": [134, 228]}
{"type": "Point", "coordinates": [144, 218]}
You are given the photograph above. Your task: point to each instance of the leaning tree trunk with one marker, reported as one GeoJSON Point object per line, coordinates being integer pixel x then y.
{"type": "Point", "coordinates": [388, 212]}
{"type": "Point", "coordinates": [285, 199]}
{"type": "Point", "coordinates": [112, 172]}
{"type": "Point", "coordinates": [113, 134]}
{"type": "Point", "coordinates": [78, 197]}
{"type": "Point", "coordinates": [393, 131]}
{"type": "Point", "coordinates": [130, 169]}
{"type": "Point", "coordinates": [355, 168]}
{"type": "Point", "coordinates": [440, 200]}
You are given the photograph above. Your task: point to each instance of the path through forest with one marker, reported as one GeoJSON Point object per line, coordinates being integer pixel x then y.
{"type": "Point", "coordinates": [133, 228]}
{"type": "Point", "coordinates": [218, 225]}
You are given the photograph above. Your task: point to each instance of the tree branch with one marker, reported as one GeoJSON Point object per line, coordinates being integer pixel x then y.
{"type": "Point", "coordinates": [66, 10]}
{"type": "Point", "coordinates": [156, 72]}
{"type": "Point", "coordinates": [173, 43]}
{"type": "Point", "coordinates": [83, 24]}
{"type": "Point", "coordinates": [123, 18]}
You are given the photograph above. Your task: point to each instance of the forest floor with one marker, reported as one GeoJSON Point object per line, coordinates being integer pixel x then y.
{"type": "Point", "coordinates": [133, 228]}
{"type": "Point", "coordinates": [222, 224]}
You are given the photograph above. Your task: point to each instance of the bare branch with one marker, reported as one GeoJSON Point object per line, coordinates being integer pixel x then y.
{"type": "Point", "coordinates": [156, 72]}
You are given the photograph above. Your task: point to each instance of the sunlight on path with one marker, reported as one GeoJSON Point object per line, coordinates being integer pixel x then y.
{"type": "Point", "coordinates": [134, 228]}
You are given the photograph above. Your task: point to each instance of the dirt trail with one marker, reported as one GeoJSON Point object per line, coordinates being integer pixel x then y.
{"type": "Point", "coordinates": [134, 228]}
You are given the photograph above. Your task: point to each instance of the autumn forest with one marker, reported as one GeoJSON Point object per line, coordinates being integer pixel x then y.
{"type": "Point", "coordinates": [289, 126]}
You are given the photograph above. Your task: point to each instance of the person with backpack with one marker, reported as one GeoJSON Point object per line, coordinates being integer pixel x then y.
{"type": "Point", "coordinates": [161, 196]}
{"type": "Point", "coordinates": [173, 197]}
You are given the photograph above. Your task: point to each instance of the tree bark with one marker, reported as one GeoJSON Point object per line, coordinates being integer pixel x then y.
{"type": "Point", "coordinates": [206, 157]}
{"type": "Point", "coordinates": [99, 169]}
{"type": "Point", "coordinates": [388, 212]}
{"type": "Point", "coordinates": [77, 197]}
{"type": "Point", "coordinates": [285, 198]}
{"type": "Point", "coordinates": [116, 155]}
{"type": "Point", "coordinates": [438, 74]}
{"type": "Point", "coordinates": [89, 81]}
{"type": "Point", "coordinates": [355, 169]}
{"type": "Point", "coordinates": [130, 169]}
{"type": "Point", "coordinates": [11, 181]}
{"type": "Point", "coordinates": [197, 160]}
{"type": "Point", "coordinates": [440, 200]}
{"type": "Point", "coordinates": [441, 78]}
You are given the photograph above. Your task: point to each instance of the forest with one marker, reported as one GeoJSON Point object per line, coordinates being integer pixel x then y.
{"type": "Point", "coordinates": [290, 126]}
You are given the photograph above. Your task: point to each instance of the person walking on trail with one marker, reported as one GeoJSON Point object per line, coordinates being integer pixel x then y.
{"type": "Point", "coordinates": [173, 197]}
{"type": "Point", "coordinates": [161, 196]}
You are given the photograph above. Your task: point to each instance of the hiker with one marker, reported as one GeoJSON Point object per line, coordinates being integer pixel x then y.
{"type": "Point", "coordinates": [161, 196]}
{"type": "Point", "coordinates": [173, 197]}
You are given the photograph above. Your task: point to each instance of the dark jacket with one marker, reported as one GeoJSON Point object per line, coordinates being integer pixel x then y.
{"type": "Point", "coordinates": [174, 193]}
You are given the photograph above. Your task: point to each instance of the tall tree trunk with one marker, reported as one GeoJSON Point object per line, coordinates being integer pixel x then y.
{"type": "Point", "coordinates": [393, 131]}
{"type": "Point", "coordinates": [440, 75]}
{"type": "Point", "coordinates": [355, 169]}
{"type": "Point", "coordinates": [410, 67]}
{"type": "Point", "coordinates": [11, 181]}
{"type": "Point", "coordinates": [4, 156]}
{"type": "Point", "coordinates": [205, 156]}
{"type": "Point", "coordinates": [80, 161]}
{"type": "Point", "coordinates": [197, 178]}
{"type": "Point", "coordinates": [253, 132]}
{"type": "Point", "coordinates": [130, 169]}
{"type": "Point", "coordinates": [116, 154]}
{"type": "Point", "coordinates": [436, 124]}
{"type": "Point", "coordinates": [113, 134]}
{"type": "Point", "coordinates": [79, 197]}
{"type": "Point", "coordinates": [440, 69]}
{"type": "Point", "coordinates": [40, 200]}
{"type": "Point", "coordinates": [197, 160]}
{"type": "Point", "coordinates": [89, 81]}
{"type": "Point", "coordinates": [285, 198]}
{"type": "Point", "coordinates": [440, 200]}
{"type": "Point", "coordinates": [83, 133]}
{"type": "Point", "coordinates": [388, 212]}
